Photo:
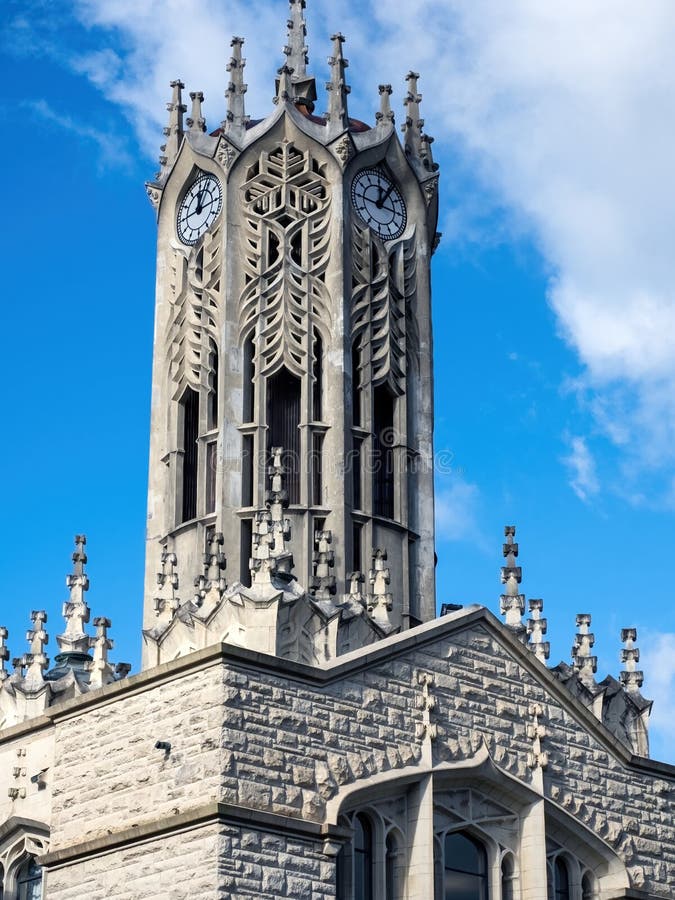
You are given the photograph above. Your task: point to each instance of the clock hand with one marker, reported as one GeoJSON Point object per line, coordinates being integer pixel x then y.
{"type": "Point", "coordinates": [384, 196]}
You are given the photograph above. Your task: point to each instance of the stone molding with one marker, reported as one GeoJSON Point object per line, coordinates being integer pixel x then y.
{"type": "Point", "coordinates": [207, 814]}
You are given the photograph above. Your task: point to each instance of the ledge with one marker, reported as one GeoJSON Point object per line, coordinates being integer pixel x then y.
{"type": "Point", "coordinates": [208, 814]}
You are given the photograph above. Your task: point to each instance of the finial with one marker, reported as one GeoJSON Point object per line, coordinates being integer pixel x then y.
{"type": "Point", "coordinates": [412, 128]}
{"type": "Point", "coordinates": [196, 122]}
{"type": "Point", "coordinates": [512, 603]}
{"type": "Point", "coordinates": [75, 610]}
{"type": "Point", "coordinates": [427, 155]}
{"type": "Point", "coordinates": [211, 585]}
{"type": "Point", "coordinates": [385, 116]}
{"type": "Point", "coordinates": [284, 85]}
{"type": "Point", "coordinates": [536, 629]}
{"type": "Point", "coordinates": [337, 118]}
{"type": "Point", "coordinates": [235, 123]}
{"type": "Point", "coordinates": [271, 529]}
{"type": "Point", "coordinates": [4, 652]}
{"type": "Point", "coordinates": [379, 601]}
{"type": "Point", "coordinates": [167, 603]}
{"type": "Point", "coordinates": [36, 658]}
{"type": "Point", "coordinates": [296, 49]}
{"type": "Point", "coordinates": [323, 583]}
{"type": "Point", "coordinates": [101, 670]}
{"type": "Point", "coordinates": [174, 130]}
{"type": "Point", "coordinates": [355, 596]}
{"type": "Point", "coordinates": [584, 664]}
{"type": "Point", "coordinates": [631, 677]}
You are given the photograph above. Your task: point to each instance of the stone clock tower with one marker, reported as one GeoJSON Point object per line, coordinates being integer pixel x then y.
{"type": "Point", "coordinates": [290, 504]}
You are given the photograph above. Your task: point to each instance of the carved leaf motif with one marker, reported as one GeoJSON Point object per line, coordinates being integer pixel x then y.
{"type": "Point", "coordinates": [286, 253]}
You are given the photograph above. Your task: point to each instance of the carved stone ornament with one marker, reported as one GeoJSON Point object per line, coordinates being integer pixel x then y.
{"type": "Point", "coordinates": [225, 154]}
{"type": "Point", "coordinates": [430, 189]}
{"type": "Point", "coordinates": [154, 194]}
{"type": "Point", "coordinates": [344, 149]}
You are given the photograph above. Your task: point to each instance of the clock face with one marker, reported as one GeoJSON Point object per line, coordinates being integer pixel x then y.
{"type": "Point", "coordinates": [199, 208]}
{"type": "Point", "coordinates": [379, 203]}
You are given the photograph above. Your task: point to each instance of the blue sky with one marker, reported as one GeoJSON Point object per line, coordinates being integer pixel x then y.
{"type": "Point", "coordinates": [554, 310]}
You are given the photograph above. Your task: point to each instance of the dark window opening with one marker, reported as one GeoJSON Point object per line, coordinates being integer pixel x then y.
{"type": "Point", "coordinates": [248, 385]}
{"type": "Point", "coordinates": [272, 248]}
{"type": "Point", "coordinates": [357, 552]}
{"type": "Point", "coordinates": [190, 404]}
{"type": "Point", "coordinates": [390, 867]}
{"type": "Point", "coordinates": [356, 475]}
{"type": "Point", "coordinates": [245, 550]}
{"type": "Point", "coordinates": [356, 385]}
{"type": "Point", "coordinates": [413, 593]}
{"type": "Point", "coordinates": [211, 463]}
{"type": "Point", "coordinates": [317, 372]}
{"type": "Point", "coordinates": [561, 880]}
{"type": "Point", "coordinates": [247, 470]}
{"type": "Point", "coordinates": [508, 875]}
{"type": "Point", "coordinates": [464, 869]}
{"type": "Point", "coordinates": [296, 248]}
{"type": "Point", "coordinates": [213, 389]}
{"type": "Point", "coordinates": [283, 426]}
{"type": "Point", "coordinates": [383, 453]}
{"type": "Point", "coordinates": [317, 469]}
{"type": "Point", "coordinates": [29, 881]}
{"type": "Point", "coordinates": [363, 859]}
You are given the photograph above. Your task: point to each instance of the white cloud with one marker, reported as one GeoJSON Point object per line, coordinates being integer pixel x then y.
{"type": "Point", "coordinates": [457, 508]}
{"type": "Point", "coordinates": [584, 480]}
{"type": "Point", "coordinates": [565, 111]}
{"type": "Point", "coordinates": [657, 652]}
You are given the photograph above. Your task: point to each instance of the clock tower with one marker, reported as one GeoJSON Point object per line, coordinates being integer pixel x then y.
{"type": "Point", "coordinates": [290, 500]}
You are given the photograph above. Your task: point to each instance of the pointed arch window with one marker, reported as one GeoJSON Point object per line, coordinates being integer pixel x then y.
{"type": "Point", "coordinates": [190, 413]}
{"type": "Point", "coordinates": [588, 887]}
{"type": "Point", "coordinates": [283, 426]}
{"type": "Point", "coordinates": [508, 876]}
{"type": "Point", "coordinates": [29, 881]}
{"type": "Point", "coordinates": [383, 452]}
{"type": "Point", "coordinates": [363, 858]}
{"type": "Point", "coordinates": [561, 880]}
{"type": "Point", "coordinates": [248, 411]}
{"type": "Point", "coordinates": [464, 868]}
{"type": "Point", "coordinates": [390, 867]}
{"type": "Point", "coordinates": [317, 379]}
{"type": "Point", "coordinates": [213, 387]}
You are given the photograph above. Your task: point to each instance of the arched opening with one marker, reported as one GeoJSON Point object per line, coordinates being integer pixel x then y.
{"type": "Point", "coordinates": [283, 426]}
{"type": "Point", "coordinates": [190, 415]}
{"type": "Point", "coordinates": [363, 858]}
{"type": "Point", "coordinates": [561, 880]}
{"type": "Point", "coordinates": [383, 452]}
{"type": "Point", "coordinates": [508, 876]}
{"type": "Point", "coordinates": [248, 411]}
{"type": "Point", "coordinates": [465, 874]}
{"type": "Point", "coordinates": [29, 881]}
{"type": "Point", "coordinates": [317, 379]}
{"type": "Point", "coordinates": [391, 853]}
{"type": "Point", "coordinates": [589, 889]}
{"type": "Point", "coordinates": [356, 384]}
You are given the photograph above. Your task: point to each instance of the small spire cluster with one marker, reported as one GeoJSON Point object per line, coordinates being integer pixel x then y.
{"type": "Point", "coordinates": [512, 602]}
{"type": "Point", "coordinates": [33, 686]}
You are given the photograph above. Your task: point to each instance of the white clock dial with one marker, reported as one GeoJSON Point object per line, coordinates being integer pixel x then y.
{"type": "Point", "coordinates": [199, 208]}
{"type": "Point", "coordinates": [379, 203]}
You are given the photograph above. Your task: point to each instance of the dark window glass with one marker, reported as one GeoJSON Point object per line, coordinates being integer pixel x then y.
{"type": "Point", "coordinates": [283, 421]}
{"type": "Point", "coordinates": [317, 381]}
{"type": "Point", "coordinates": [341, 874]}
{"type": "Point", "coordinates": [248, 411]}
{"type": "Point", "coordinates": [561, 880]}
{"type": "Point", "coordinates": [390, 867]}
{"type": "Point", "coordinates": [465, 869]}
{"type": "Point", "coordinates": [507, 878]}
{"type": "Point", "coordinates": [363, 859]}
{"type": "Point", "coordinates": [29, 881]}
{"type": "Point", "coordinates": [317, 469]}
{"type": "Point", "coordinates": [211, 462]}
{"type": "Point", "coordinates": [245, 548]}
{"type": "Point", "coordinates": [357, 551]}
{"type": "Point", "coordinates": [190, 404]}
{"type": "Point", "coordinates": [247, 470]}
{"type": "Point", "coordinates": [413, 593]}
{"type": "Point", "coordinates": [213, 389]}
{"type": "Point", "coordinates": [383, 453]}
{"type": "Point", "coordinates": [356, 475]}
{"type": "Point", "coordinates": [356, 385]}
{"type": "Point", "coordinates": [588, 887]}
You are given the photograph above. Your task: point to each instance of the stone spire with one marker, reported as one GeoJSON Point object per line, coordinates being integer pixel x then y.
{"type": "Point", "coordinates": [74, 640]}
{"type": "Point", "coordinates": [323, 582]}
{"type": "Point", "coordinates": [512, 603]}
{"type": "Point", "coordinates": [584, 664]}
{"type": "Point", "coordinates": [167, 603]}
{"type": "Point", "coordinates": [211, 585]}
{"type": "Point", "coordinates": [236, 119]}
{"type": "Point", "coordinates": [631, 677]}
{"type": "Point", "coordinates": [296, 50]}
{"type": "Point", "coordinates": [412, 127]}
{"type": "Point", "coordinates": [284, 85]}
{"type": "Point", "coordinates": [536, 629]}
{"type": "Point", "coordinates": [101, 670]}
{"type": "Point", "coordinates": [4, 652]}
{"type": "Point", "coordinates": [337, 117]}
{"type": "Point", "coordinates": [174, 130]}
{"type": "Point", "coordinates": [36, 658]}
{"type": "Point", "coordinates": [380, 602]}
{"type": "Point", "coordinates": [196, 121]}
{"type": "Point", "coordinates": [385, 116]}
